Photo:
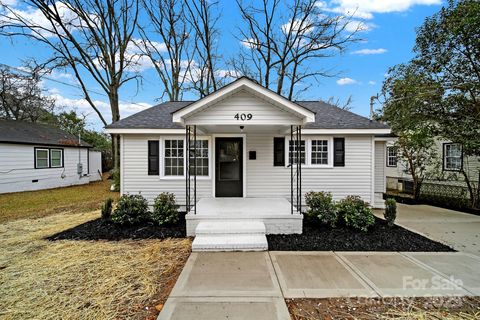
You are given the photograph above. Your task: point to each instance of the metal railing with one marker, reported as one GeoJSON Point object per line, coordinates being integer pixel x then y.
{"type": "Point", "coordinates": [295, 164]}
{"type": "Point", "coordinates": [191, 154]}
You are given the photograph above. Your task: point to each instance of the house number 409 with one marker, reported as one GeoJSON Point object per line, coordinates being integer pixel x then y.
{"type": "Point", "coordinates": [243, 116]}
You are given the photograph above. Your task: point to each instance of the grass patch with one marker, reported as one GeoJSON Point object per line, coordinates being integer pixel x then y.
{"type": "Point", "coordinates": [41, 203]}
{"type": "Point", "coordinates": [66, 279]}
{"type": "Point", "coordinates": [421, 308]}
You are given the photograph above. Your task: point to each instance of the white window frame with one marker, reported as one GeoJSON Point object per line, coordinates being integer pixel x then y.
{"type": "Point", "coordinates": [36, 158]}
{"type": "Point", "coordinates": [308, 151]}
{"type": "Point", "coordinates": [182, 177]}
{"type": "Point", "coordinates": [50, 158]}
{"type": "Point", "coordinates": [389, 157]}
{"type": "Point", "coordinates": [445, 157]}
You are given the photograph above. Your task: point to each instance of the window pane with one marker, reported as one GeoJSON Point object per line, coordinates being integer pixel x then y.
{"type": "Point", "coordinates": [319, 151]}
{"type": "Point", "coordinates": [201, 153]}
{"type": "Point", "coordinates": [56, 156]}
{"type": "Point", "coordinates": [173, 154]}
{"type": "Point", "coordinates": [293, 151]}
{"type": "Point", "coordinates": [41, 158]}
{"type": "Point", "coordinates": [453, 156]}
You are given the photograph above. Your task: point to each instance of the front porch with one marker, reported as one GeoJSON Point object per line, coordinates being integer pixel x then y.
{"type": "Point", "coordinates": [275, 213]}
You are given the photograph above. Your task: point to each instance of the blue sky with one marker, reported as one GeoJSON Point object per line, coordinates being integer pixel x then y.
{"type": "Point", "coordinates": [388, 41]}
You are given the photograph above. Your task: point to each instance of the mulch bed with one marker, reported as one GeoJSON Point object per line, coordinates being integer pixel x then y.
{"type": "Point", "coordinates": [101, 230]}
{"type": "Point", "coordinates": [385, 308]}
{"type": "Point", "coordinates": [380, 237]}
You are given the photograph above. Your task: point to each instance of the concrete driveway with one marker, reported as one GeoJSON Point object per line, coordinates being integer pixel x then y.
{"type": "Point", "coordinates": [456, 229]}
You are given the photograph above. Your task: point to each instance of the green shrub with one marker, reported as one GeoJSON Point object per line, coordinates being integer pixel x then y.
{"type": "Point", "coordinates": [356, 213]}
{"type": "Point", "coordinates": [107, 209]}
{"type": "Point", "coordinates": [131, 209]}
{"type": "Point", "coordinates": [165, 210]}
{"type": "Point", "coordinates": [321, 207]}
{"type": "Point", "coordinates": [116, 179]}
{"type": "Point", "coordinates": [390, 211]}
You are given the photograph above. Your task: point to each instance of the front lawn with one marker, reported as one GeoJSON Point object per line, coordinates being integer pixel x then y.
{"type": "Point", "coordinates": [35, 204]}
{"type": "Point", "coordinates": [41, 279]}
{"type": "Point", "coordinates": [379, 237]}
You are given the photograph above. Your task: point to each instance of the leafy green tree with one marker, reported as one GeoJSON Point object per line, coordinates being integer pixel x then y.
{"type": "Point", "coordinates": [448, 51]}
{"type": "Point", "coordinates": [407, 91]}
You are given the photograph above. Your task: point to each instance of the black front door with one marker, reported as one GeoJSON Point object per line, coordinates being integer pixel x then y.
{"type": "Point", "coordinates": [228, 167]}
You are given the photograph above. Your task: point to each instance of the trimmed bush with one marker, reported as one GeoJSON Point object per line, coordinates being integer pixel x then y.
{"type": "Point", "coordinates": [321, 207]}
{"type": "Point", "coordinates": [131, 209]}
{"type": "Point", "coordinates": [107, 209]}
{"type": "Point", "coordinates": [390, 211]}
{"type": "Point", "coordinates": [356, 213]}
{"type": "Point", "coordinates": [165, 210]}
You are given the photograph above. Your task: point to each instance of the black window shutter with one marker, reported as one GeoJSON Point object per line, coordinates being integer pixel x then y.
{"type": "Point", "coordinates": [279, 152]}
{"type": "Point", "coordinates": [153, 158]}
{"type": "Point", "coordinates": [339, 152]}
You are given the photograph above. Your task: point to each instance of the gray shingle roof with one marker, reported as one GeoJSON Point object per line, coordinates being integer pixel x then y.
{"type": "Point", "coordinates": [35, 133]}
{"type": "Point", "coordinates": [327, 117]}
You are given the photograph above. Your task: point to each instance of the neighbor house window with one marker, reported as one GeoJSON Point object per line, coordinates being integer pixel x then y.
{"type": "Point", "coordinates": [452, 156]}
{"type": "Point", "coordinates": [202, 157]}
{"type": "Point", "coordinates": [173, 154]}
{"type": "Point", "coordinates": [391, 156]}
{"type": "Point", "coordinates": [319, 153]}
{"type": "Point", "coordinates": [292, 151]}
{"type": "Point", "coordinates": [41, 158]}
{"type": "Point", "coordinates": [56, 158]}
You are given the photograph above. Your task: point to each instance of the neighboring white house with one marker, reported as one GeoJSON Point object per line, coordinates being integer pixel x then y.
{"type": "Point", "coordinates": [35, 156]}
{"type": "Point", "coordinates": [243, 138]}
{"type": "Point", "coordinates": [444, 169]}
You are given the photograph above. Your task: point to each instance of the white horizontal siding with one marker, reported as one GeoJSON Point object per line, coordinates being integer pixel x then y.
{"type": "Point", "coordinates": [265, 180]}
{"type": "Point", "coordinates": [262, 178]}
{"type": "Point", "coordinates": [224, 111]}
{"type": "Point", "coordinates": [17, 169]}
{"type": "Point", "coordinates": [135, 176]}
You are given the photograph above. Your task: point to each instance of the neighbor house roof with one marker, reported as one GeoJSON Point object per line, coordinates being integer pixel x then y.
{"type": "Point", "coordinates": [23, 132]}
{"type": "Point", "coordinates": [327, 116]}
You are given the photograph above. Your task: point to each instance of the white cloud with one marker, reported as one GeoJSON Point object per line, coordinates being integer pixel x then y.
{"type": "Point", "coordinates": [358, 25]}
{"type": "Point", "coordinates": [370, 51]}
{"type": "Point", "coordinates": [249, 43]}
{"type": "Point", "coordinates": [346, 81]}
{"type": "Point", "coordinates": [296, 26]}
{"type": "Point", "coordinates": [9, 2]}
{"type": "Point", "coordinates": [83, 107]}
{"type": "Point", "coordinates": [371, 82]}
{"type": "Point", "coordinates": [364, 9]}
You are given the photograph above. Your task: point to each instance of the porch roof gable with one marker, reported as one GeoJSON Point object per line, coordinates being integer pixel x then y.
{"type": "Point", "coordinates": [243, 84]}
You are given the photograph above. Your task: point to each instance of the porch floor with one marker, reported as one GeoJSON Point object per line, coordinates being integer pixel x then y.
{"type": "Point", "coordinates": [243, 207]}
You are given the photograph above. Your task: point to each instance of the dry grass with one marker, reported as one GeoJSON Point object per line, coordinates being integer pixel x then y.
{"type": "Point", "coordinates": [421, 308]}
{"type": "Point", "coordinates": [35, 204]}
{"type": "Point", "coordinates": [83, 279]}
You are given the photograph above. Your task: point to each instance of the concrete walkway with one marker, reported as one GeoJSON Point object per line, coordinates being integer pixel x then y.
{"type": "Point", "coordinates": [456, 229]}
{"type": "Point", "coordinates": [253, 285]}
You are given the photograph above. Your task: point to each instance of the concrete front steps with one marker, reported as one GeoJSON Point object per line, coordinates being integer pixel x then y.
{"type": "Point", "coordinates": [230, 236]}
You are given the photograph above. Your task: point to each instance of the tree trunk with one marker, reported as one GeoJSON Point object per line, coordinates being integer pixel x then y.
{"type": "Point", "coordinates": [114, 105]}
{"type": "Point", "coordinates": [473, 192]}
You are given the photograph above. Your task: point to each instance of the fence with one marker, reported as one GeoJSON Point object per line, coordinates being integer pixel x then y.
{"type": "Point", "coordinates": [449, 194]}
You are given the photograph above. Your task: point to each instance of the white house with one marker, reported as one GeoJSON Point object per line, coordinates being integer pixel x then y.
{"type": "Point", "coordinates": [36, 156]}
{"type": "Point", "coordinates": [253, 155]}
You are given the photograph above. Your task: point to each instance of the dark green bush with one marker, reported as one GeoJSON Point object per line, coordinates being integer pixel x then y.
{"type": "Point", "coordinates": [165, 210]}
{"type": "Point", "coordinates": [356, 213]}
{"type": "Point", "coordinates": [321, 207]}
{"type": "Point", "coordinates": [390, 211]}
{"type": "Point", "coordinates": [107, 209]}
{"type": "Point", "coordinates": [131, 209]}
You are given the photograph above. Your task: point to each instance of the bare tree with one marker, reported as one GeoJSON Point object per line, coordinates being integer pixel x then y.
{"type": "Point", "coordinates": [90, 37]}
{"type": "Point", "coordinates": [203, 18]}
{"type": "Point", "coordinates": [281, 40]}
{"type": "Point", "coordinates": [171, 58]}
{"type": "Point", "coordinates": [346, 105]}
{"type": "Point", "coordinates": [22, 98]}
